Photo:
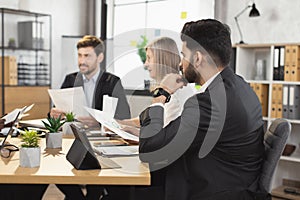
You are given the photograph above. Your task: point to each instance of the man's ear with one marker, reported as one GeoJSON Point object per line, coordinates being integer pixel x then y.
{"type": "Point", "coordinates": [198, 59]}
{"type": "Point", "coordinates": [100, 57]}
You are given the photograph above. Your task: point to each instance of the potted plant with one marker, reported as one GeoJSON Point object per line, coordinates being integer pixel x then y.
{"type": "Point", "coordinates": [12, 43]}
{"type": "Point", "coordinates": [66, 128]}
{"type": "Point", "coordinates": [54, 136]}
{"type": "Point", "coordinates": [142, 53]}
{"type": "Point", "coordinates": [141, 48]}
{"type": "Point", "coordinates": [30, 151]}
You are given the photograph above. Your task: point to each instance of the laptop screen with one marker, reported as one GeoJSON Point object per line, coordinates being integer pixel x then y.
{"type": "Point", "coordinates": [11, 130]}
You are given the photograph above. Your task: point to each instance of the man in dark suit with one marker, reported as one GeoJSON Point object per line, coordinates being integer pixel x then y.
{"type": "Point", "coordinates": [95, 80]}
{"type": "Point", "coordinates": [214, 150]}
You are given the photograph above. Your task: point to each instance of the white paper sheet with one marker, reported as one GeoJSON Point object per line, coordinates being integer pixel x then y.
{"type": "Point", "coordinates": [110, 105]}
{"type": "Point", "coordinates": [106, 120]}
{"type": "Point", "coordinates": [11, 116]}
{"type": "Point", "coordinates": [117, 151]}
{"type": "Point", "coordinates": [69, 100]}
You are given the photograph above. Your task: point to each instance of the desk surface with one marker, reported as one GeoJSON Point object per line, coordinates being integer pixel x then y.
{"type": "Point", "coordinates": [55, 169]}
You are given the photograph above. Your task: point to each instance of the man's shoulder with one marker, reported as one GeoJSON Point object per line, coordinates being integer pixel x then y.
{"type": "Point", "coordinates": [71, 75]}
{"type": "Point", "coordinates": [70, 80]}
{"type": "Point", "coordinates": [107, 76]}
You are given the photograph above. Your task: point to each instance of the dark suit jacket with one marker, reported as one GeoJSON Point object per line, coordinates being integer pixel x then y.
{"type": "Point", "coordinates": [230, 169]}
{"type": "Point", "coordinates": [107, 84]}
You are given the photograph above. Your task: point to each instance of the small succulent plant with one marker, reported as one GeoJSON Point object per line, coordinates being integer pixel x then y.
{"type": "Point", "coordinates": [53, 124]}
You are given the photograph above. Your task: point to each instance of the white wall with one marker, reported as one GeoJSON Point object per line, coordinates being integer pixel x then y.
{"type": "Point", "coordinates": [68, 18]}
{"type": "Point", "coordinates": [278, 22]}
{"type": "Point", "coordinates": [153, 19]}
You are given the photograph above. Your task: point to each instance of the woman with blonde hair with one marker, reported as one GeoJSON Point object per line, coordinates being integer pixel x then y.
{"type": "Point", "coordinates": [162, 58]}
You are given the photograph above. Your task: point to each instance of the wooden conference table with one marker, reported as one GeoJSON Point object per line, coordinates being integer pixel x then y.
{"type": "Point", "coordinates": [55, 169]}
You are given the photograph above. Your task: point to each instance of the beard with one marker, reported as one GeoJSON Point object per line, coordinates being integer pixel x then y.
{"type": "Point", "coordinates": [191, 74]}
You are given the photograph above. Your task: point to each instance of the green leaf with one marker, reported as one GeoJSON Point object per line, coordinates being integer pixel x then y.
{"type": "Point", "coordinates": [70, 117]}
{"type": "Point", "coordinates": [53, 124]}
{"type": "Point", "coordinates": [141, 48]}
{"type": "Point", "coordinates": [30, 138]}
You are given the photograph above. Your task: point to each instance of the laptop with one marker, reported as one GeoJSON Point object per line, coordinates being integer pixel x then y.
{"type": "Point", "coordinates": [10, 131]}
{"type": "Point", "coordinates": [91, 156]}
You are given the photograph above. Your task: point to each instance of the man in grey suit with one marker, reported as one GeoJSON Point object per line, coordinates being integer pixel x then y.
{"type": "Point", "coordinates": [214, 150]}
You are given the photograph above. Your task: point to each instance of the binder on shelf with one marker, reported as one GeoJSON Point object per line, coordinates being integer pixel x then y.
{"type": "Point", "coordinates": [279, 101]}
{"type": "Point", "coordinates": [276, 106]}
{"type": "Point", "coordinates": [10, 70]}
{"type": "Point", "coordinates": [281, 63]}
{"type": "Point", "coordinates": [294, 102]}
{"type": "Point", "coordinates": [287, 63]}
{"type": "Point", "coordinates": [295, 63]}
{"type": "Point", "coordinates": [261, 91]}
{"type": "Point", "coordinates": [285, 101]}
{"type": "Point", "coordinates": [274, 102]}
{"type": "Point", "coordinates": [279, 110]}
{"type": "Point", "coordinates": [30, 35]}
{"type": "Point", "coordinates": [276, 63]}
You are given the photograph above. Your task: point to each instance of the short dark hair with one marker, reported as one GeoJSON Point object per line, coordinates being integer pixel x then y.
{"type": "Point", "coordinates": [211, 35]}
{"type": "Point", "coordinates": [92, 41]}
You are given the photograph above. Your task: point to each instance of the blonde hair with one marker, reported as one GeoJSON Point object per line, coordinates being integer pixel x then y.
{"type": "Point", "coordinates": [166, 56]}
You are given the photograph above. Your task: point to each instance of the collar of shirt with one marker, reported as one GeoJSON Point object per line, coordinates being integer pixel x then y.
{"type": "Point", "coordinates": [207, 83]}
{"type": "Point", "coordinates": [93, 79]}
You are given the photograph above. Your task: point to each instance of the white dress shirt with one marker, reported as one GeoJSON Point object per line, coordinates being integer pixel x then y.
{"type": "Point", "coordinates": [89, 88]}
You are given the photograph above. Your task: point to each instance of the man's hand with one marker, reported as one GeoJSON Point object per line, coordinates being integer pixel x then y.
{"type": "Point", "coordinates": [172, 82]}
{"type": "Point", "coordinates": [88, 121]}
{"type": "Point", "coordinates": [132, 130]}
{"type": "Point", "coordinates": [55, 112]}
{"type": "Point", "coordinates": [130, 122]}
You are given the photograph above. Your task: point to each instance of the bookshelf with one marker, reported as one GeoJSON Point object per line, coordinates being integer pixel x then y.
{"type": "Point", "coordinates": [273, 58]}
{"type": "Point", "coordinates": [25, 61]}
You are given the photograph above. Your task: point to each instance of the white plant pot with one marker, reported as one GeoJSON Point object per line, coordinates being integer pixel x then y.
{"type": "Point", "coordinates": [30, 157]}
{"type": "Point", "coordinates": [54, 140]}
{"type": "Point", "coordinates": [66, 129]}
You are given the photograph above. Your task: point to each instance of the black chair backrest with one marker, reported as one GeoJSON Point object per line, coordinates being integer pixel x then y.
{"type": "Point", "coordinates": [274, 140]}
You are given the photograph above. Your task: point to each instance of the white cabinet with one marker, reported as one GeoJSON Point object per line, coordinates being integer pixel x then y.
{"type": "Point", "coordinates": [257, 63]}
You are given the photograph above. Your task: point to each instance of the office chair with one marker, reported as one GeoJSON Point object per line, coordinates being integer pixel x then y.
{"type": "Point", "coordinates": [274, 140]}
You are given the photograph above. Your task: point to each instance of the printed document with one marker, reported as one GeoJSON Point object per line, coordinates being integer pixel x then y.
{"type": "Point", "coordinates": [69, 100]}
{"type": "Point", "coordinates": [106, 120]}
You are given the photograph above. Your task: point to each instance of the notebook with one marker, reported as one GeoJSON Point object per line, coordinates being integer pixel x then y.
{"type": "Point", "coordinates": [105, 163]}
{"type": "Point", "coordinates": [11, 129]}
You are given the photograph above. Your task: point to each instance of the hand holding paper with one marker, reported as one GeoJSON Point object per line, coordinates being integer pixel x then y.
{"type": "Point", "coordinates": [69, 99]}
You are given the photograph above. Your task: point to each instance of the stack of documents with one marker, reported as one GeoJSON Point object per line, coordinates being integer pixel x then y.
{"type": "Point", "coordinates": [117, 151]}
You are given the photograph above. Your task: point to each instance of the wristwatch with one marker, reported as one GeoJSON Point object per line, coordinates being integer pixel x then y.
{"type": "Point", "coordinates": [160, 91]}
